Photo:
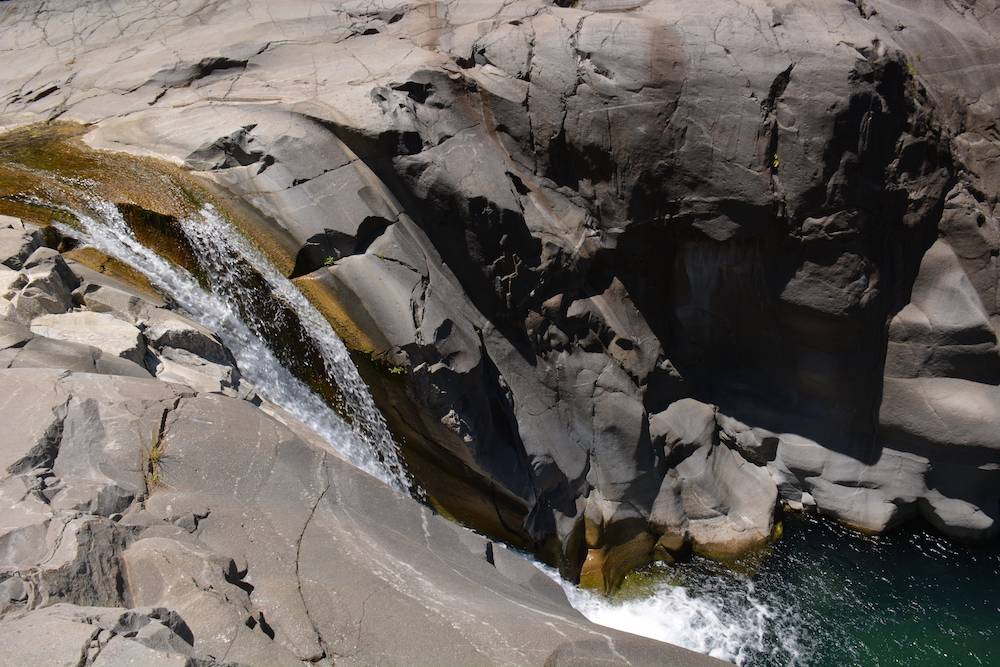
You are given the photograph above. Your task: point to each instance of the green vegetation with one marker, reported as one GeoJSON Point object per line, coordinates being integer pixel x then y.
{"type": "Point", "coordinates": [381, 362]}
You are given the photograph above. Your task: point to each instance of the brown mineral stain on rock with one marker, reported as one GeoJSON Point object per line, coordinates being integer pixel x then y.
{"type": "Point", "coordinates": [45, 166]}
{"type": "Point", "coordinates": [605, 569]}
{"type": "Point", "coordinates": [318, 289]}
{"type": "Point", "coordinates": [48, 162]}
{"type": "Point", "coordinates": [94, 259]}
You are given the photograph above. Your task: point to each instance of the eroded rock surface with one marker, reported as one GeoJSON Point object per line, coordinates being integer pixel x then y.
{"type": "Point", "coordinates": [564, 219]}
{"type": "Point", "coordinates": [148, 521]}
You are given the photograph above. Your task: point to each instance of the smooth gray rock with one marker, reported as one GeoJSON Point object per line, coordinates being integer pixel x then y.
{"type": "Point", "coordinates": [163, 328]}
{"type": "Point", "coordinates": [119, 300]}
{"type": "Point", "coordinates": [187, 368]}
{"type": "Point", "coordinates": [32, 438]}
{"type": "Point", "coordinates": [13, 334]}
{"type": "Point", "coordinates": [392, 558]}
{"type": "Point", "coordinates": [265, 549]}
{"type": "Point", "coordinates": [710, 496]}
{"type": "Point", "coordinates": [66, 635]}
{"type": "Point", "coordinates": [40, 352]}
{"type": "Point", "coordinates": [564, 219]}
{"type": "Point", "coordinates": [47, 287]}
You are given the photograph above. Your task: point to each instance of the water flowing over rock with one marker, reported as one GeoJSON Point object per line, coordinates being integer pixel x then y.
{"type": "Point", "coordinates": [150, 521]}
{"type": "Point", "coordinates": [634, 275]}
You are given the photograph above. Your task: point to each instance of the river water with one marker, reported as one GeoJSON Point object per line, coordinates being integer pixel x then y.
{"type": "Point", "coordinates": [821, 596]}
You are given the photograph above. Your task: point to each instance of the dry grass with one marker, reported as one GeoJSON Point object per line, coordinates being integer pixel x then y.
{"type": "Point", "coordinates": [153, 466]}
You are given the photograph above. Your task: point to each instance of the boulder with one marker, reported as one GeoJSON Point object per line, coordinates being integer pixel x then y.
{"type": "Point", "coordinates": [13, 335]}
{"type": "Point", "coordinates": [111, 335]}
{"type": "Point", "coordinates": [32, 439]}
{"type": "Point", "coordinates": [41, 352]}
{"type": "Point", "coordinates": [710, 495]}
{"type": "Point", "coordinates": [98, 636]}
{"type": "Point", "coordinates": [164, 328]}
{"type": "Point", "coordinates": [17, 242]}
{"type": "Point", "coordinates": [47, 287]}
{"type": "Point", "coordinates": [187, 368]}
{"type": "Point", "coordinates": [118, 300]}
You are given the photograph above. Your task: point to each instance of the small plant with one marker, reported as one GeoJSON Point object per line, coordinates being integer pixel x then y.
{"type": "Point", "coordinates": [912, 68]}
{"type": "Point", "coordinates": [152, 470]}
{"type": "Point", "coordinates": [380, 361]}
{"type": "Point", "coordinates": [775, 163]}
{"type": "Point", "coordinates": [329, 260]}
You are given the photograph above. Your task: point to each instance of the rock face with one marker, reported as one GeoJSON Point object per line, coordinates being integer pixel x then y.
{"type": "Point", "coordinates": [239, 541]}
{"type": "Point", "coordinates": [565, 219]}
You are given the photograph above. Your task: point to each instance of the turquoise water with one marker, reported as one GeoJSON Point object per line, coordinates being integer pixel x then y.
{"type": "Point", "coordinates": [835, 597]}
{"type": "Point", "coordinates": [822, 596]}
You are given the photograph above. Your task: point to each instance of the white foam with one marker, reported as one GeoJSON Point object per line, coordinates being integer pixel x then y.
{"type": "Point", "coordinates": [216, 244]}
{"type": "Point", "coordinates": [105, 229]}
{"type": "Point", "coordinates": [730, 624]}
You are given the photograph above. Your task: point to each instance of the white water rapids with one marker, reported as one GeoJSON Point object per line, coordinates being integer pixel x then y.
{"type": "Point", "coordinates": [731, 623]}
{"type": "Point", "coordinates": [671, 614]}
{"type": "Point", "coordinates": [219, 248]}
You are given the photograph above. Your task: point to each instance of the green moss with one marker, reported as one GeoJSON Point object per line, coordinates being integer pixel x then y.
{"type": "Point", "coordinates": [381, 362]}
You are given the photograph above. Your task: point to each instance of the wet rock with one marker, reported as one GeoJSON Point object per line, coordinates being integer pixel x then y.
{"type": "Point", "coordinates": [228, 555]}
{"type": "Point", "coordinates": [565, 219]}
{"type": "Point", "coordinates": [294, 580]}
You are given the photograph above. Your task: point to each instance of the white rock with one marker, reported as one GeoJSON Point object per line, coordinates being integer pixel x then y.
{"type": "Point", "coordinates": [101, 330]}
{"type": "Point", "coordinates": [186, 368]}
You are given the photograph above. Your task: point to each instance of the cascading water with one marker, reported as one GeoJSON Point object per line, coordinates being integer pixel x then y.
{"type": "Point", "coordinates": [367, 442]}
{"type": "Point", "coordinates": [221, 251]}
{"type": "Point", "coordinates": [730, 623]}
{"type": "Point", "coordinates": [823, 596]}
{"type": "Point", "coordinates": [230, 264]}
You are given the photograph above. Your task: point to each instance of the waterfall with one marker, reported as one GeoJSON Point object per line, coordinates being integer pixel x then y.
{"type": "Point", "coordinates": [216, 244]}
{"type": "Point", "coordinates": [366, 442]}
{"type": "Point", "coordinates": [724, 617]}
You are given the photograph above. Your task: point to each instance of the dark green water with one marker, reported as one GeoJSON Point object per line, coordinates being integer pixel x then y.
{"type": "Point", "coordinates": [910, 598]}
{"type": "Point", "coordinates": [824, 596]}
